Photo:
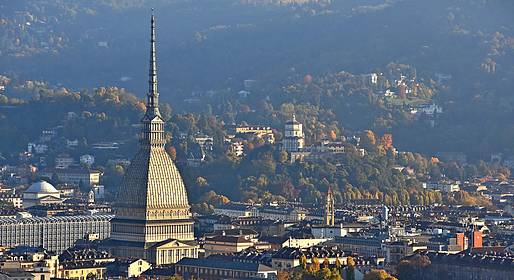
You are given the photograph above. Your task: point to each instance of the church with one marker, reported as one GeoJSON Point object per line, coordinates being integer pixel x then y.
{"type": "Point", "coordinates": [152, 219]}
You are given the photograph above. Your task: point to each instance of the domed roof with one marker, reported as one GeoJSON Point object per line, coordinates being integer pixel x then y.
{"type": "Point", "coordinates": [152, 181]}
{"type": "Point", "coordinates": [42, 187]}
{"type": "Point", "coordinates": [293, 121]}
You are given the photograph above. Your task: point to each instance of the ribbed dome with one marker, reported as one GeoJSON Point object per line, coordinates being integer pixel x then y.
{"type": "Point", "coordinates": [42, 187]}
{"type": "Point", "coordinates": [152, 181]}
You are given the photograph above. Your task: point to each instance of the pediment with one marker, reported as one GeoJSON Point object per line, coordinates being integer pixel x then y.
{"type": "Point", "coordinates": [171, 244]}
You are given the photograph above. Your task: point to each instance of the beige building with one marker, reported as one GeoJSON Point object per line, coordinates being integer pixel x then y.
{"type": "Point", "coordinates": [223, 244]}
{"type": "Point", "coordinates": [83, 271]}
{"type": "Point", "coordinates": [152, 220]}
{"type": "Point", "coordinates": [82, 264]}
{"type": "Point", "coordinates": [264, 212]}
{"type": "Point", "coordinates": [74, 176]}
{"type": "Point", "coordinates": [263, 132]}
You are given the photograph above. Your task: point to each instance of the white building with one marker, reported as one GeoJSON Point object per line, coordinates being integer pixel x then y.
{"type": "Point", "coordinates": [87, 159]}
{"type": "Point", "coordinates": [429, 109]}
{"type": "Point", "coordinates": [206, 142]}
{"type": "Point", "coordinates": [52, 233]}
{"type": "Point", "coordinates": [72, 143]}
{"type": "Point", "coordinates": [328, 232]}
{"type": "Point", "coordinates": [237, 147]}
{"type": "Point", "coordinates": [37, 148]}
{"type": "Point", "coordinates": [294, 138]}
{"type": "Point", "coordinates": [442, 186]}
{"type": "Point", "coordinates": [301, 243]}
{"type": "Point", "coordinates": [99, 191]}
{"type": "Point", "coordinates": [63, 161]}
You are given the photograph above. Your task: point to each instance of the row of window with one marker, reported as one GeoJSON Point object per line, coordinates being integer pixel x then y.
{"type": "Point", "coordinates": [214, 272]}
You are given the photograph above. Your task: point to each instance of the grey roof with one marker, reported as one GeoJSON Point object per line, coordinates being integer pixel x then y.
{"type": "Point", "coordinates": [472, 260]}
{"type": "Point", "coordinates": [314, 251]}
{"type": "Point", "coordinates": [42, 187]}
{"type": "Point", "coordinates": [224, 264]}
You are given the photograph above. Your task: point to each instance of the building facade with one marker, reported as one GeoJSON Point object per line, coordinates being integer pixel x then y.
{"type": "Point", "coordinates": [13, 199]}
{"type": "Point", "coordinates": [464, 266]}
{"type": "Point", "coordinates": [294, 138]}
{"type": "Point", "coordinates": [288, 258]}
{"type": "Point", "coordinates": [41, 193]}
{"type": "Point", "coordinates": [52, 233]}
{"type": "Point", "coordinates": [222, 269]}
{"type": "Point", "coordinates": [74, 176]}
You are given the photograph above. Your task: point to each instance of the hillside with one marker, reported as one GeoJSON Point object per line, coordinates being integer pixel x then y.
{"type": "Point", "coordinates": [278, 44]}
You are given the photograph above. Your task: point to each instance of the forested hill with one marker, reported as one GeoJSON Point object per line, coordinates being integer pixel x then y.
{"type": "Point", "coordinates": [264, 174]}
{"type": "Point", "coordinates": [212, 46]}
{"type": "Point", "coordinates": [204, 44]}
{"type": "Point", "coordinates": [102, 114]}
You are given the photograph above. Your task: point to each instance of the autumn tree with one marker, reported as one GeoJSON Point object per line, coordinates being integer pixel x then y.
{"type": "Point", "coordinates": [386, 141]}
{"type": "Point", "coordinates": [172, 152]}
{"type": "Point", "coordinates": [332, 135]}
{"type": "Point", "coordinates": [314, 266]}
{"type": "Point", "coordinates": [350, 269]}
{"type": "Point", "coordinates": [368, 140]}
{"type": "Point", "coordinates": [303, 262]}
{"type": "Point", "coordinates": [413, 268]}
{"type": "Point", "coordinates": [283, 275]}
{"type": "Point", "coordinates": [378, 274]}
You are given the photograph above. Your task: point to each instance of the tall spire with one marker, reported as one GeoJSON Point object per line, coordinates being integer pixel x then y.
{"type": "Point", "coordinates": [153, 94]}
{"type": "Point", "coordinates": [152, 134]}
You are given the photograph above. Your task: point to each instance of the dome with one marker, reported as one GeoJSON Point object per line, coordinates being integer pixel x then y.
{"type": "Point", "coordinates": [293, 121]}
{"type": "Point", "coordinates": [152, 181]}
{"type": "Point", "coordinates": [42, 187]}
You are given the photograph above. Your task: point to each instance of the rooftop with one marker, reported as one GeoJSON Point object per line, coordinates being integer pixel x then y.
{"type": "Point", "coordinates": [223, 264]}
